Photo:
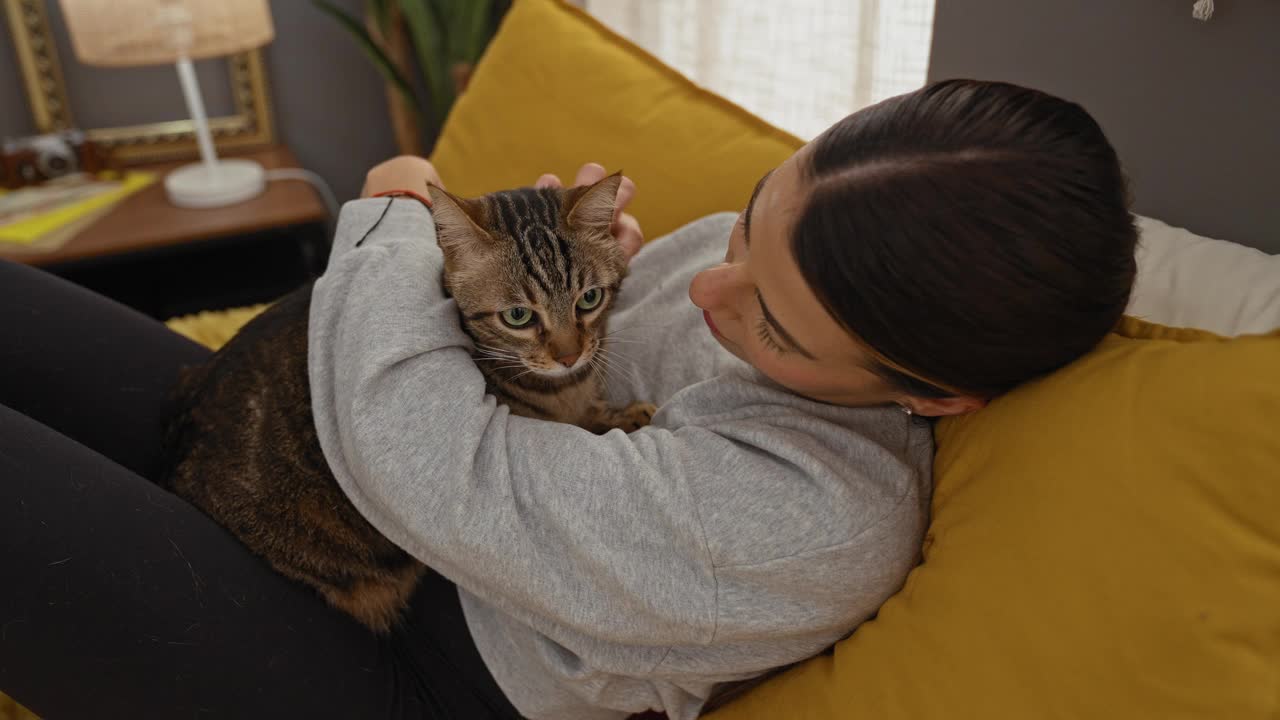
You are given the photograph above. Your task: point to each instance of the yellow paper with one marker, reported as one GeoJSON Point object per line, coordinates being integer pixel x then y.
{"type": "Point", "coordinates": [26, 232]}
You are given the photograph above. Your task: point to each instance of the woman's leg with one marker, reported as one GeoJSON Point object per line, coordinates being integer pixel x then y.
{"type": "Point", "coordinates": [88, 367]}
{"type": "Point", "coordinates": [121, 600]}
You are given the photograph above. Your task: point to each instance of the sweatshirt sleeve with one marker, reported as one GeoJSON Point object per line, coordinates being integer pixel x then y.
{"type": "Point", "coordinates": [599, 533]}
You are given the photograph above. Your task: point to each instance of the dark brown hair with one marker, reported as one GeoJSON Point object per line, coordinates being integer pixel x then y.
{"type": "Point", "coordinates": [974, 234]}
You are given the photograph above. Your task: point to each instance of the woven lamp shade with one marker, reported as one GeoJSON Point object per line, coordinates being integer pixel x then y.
{"type": "Point", "coordinates": [121, 33]}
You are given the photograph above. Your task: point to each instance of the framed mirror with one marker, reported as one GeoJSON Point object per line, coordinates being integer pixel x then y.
{"type": "Point", "coordinates": [122, 109]}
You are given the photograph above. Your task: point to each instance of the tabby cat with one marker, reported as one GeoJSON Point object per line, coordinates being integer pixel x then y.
{"type": "Point", "coordinates": [534, 273]}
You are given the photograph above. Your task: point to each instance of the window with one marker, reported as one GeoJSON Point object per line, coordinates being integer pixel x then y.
{"type": "Point", "coordinates": [800, 64]}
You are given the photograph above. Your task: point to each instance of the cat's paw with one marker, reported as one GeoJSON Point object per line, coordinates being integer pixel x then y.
{"type": "Point", "coordinates": [635, 416]}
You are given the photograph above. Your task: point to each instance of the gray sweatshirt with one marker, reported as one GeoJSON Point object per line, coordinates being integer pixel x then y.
{"type": "Point", "coordinates": [745, 529]}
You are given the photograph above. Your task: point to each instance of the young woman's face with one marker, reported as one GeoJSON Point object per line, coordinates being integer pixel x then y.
{"type": "Point", "coordinates": [759, 307]}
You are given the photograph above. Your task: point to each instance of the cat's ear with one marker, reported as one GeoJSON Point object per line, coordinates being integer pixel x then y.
{"type": "Point", "coordinates": [459, 222]}
{"type": "Point", "coordinates": [590, 207]}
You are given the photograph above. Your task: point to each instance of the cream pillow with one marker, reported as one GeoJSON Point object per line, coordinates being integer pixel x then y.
{"type": "Point", "coordinates": [1186, 280]}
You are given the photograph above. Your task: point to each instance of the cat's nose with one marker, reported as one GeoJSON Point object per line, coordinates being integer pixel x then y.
{"type": "Point", "coordinates": [569, 360]}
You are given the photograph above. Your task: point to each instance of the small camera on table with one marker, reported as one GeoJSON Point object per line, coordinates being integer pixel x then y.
{"type": "Point", "coordinates": [39, 159]}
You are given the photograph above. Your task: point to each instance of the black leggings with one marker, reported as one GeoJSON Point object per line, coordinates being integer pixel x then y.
{"type": "Point", "coordinates": [118, 599]}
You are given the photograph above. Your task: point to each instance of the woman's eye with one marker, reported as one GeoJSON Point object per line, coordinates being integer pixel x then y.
{"type": "Point", "coordinates": [590, 299]}
{"type": "Point", "coordinates": [766, 338]}
{"type": "Point", "coordinates": [517, 317]}
{"type": "Point", "coordinates": [739, 234]}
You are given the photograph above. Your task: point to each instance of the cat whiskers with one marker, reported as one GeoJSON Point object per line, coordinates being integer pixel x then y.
{"type": "Point", "coordinates": [618, 370]}
{"type": "Point", "coordinates": [499, 359]}
{"type": "Point", "coordinates": [612, 373]}
{"type": "Point", "coordinates": [612, 337]}
{"type": "Point", "coordinates": [486, 351]}
{"type": "Point", "coordinates": [626, 334]}
{"type": "Point", "coordinates": [514, 361]}
{"type": "Point", "coordinates": [503, 372]}
{"type": "Point", "coordinates": [508, 359]}
{"type": "Point", "coordinates": [625, 364]}
{"type": "Point", "coordinates": [513, 378]}
{"type": "Point", "coordinates": [485, 358]}
{"type": "Point", "coordinates": [594, 363]}
{"type": "Point", "coordinates": [522, 368]}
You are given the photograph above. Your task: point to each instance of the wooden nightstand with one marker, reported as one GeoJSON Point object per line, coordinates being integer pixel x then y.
{"type": "Point", "coordinates": [165, 260]}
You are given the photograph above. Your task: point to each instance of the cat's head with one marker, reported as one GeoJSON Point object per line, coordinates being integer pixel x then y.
{"type": "Point", "coordinates": [534, 273]}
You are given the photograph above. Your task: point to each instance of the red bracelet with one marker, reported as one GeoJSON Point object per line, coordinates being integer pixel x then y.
{"type": "Point", "coordinates": [405, 193]}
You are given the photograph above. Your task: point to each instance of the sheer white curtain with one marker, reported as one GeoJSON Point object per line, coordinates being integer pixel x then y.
{"type": "Point", "coordinates": [800, 64]}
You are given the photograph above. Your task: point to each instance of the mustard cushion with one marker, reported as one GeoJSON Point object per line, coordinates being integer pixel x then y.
{"type": "Point", "coordinates": [556, 89]}
{"type": "Point", "coordinates": [1105, 543]}
{"type": "Point", "coordinates": [213, 328]}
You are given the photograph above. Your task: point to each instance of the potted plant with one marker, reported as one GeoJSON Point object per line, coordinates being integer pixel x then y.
{"type": "Point", "coordinates": [442, 38]}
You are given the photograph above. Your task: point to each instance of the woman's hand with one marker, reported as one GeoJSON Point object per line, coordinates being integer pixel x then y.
{"type": "Point", "coordinates": [405, 172]}
{"type": "Point", "coordinates": [409, 172]}
{"type": "Point", "coordinates": [626, 229]}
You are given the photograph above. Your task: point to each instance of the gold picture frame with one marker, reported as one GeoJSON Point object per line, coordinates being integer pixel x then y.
{"type": "Point", "coordinates": [250, 125]}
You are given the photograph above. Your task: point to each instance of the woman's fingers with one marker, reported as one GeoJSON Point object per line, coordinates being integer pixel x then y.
{"type": "Point", "coordinates": [626, 191]}
{"type": "Point", "coordinates": [626, 230]}
{"type": "Point", "coordinates": [405, 172]}
{"type": "Point", "coordinates": [590, 174]}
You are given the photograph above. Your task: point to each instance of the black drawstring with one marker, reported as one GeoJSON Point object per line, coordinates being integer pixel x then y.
{"type": "Point", "coordinates": [376, 222]}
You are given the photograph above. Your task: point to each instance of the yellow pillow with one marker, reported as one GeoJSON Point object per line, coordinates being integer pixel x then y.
{"type": "Point", "coordinates": [556, 89]}
{"type": "Point", "coordinates": [1105, 544]}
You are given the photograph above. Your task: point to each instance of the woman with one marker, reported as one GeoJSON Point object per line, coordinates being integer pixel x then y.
{"type": "Point", "coordinates": [923, 255]}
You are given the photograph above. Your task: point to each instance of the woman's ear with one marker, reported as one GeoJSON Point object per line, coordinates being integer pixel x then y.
{"type": "Point", "coordinates": [943, 407]}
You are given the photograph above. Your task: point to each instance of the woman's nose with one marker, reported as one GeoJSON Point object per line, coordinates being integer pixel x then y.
{"type": "Point", "coordinates": [716, 287]}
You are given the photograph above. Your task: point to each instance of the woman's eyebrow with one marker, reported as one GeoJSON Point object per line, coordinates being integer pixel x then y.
{"type": "Point", "coordinates": [783, 335]}
{"type": "Point", "coordinates": [751, 204]}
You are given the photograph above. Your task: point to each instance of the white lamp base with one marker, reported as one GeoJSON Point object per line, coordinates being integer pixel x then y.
{"type": "Point", "coordinates": [226, 183]}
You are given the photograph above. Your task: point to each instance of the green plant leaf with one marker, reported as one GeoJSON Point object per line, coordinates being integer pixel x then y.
{"type": "Point", "coordinates": [381, 14]}
{"type": "Point", "coordinates": [469, 29]}
{"type": "Point", "coordinates": [371, 48]}
{"type": "Point", "coordinates": [428, 34]}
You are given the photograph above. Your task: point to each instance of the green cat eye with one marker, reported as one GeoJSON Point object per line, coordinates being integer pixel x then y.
{"type": "Point", "coordinates": [590, 299]}
{"type": "Point", "coordinates": [517, 317]}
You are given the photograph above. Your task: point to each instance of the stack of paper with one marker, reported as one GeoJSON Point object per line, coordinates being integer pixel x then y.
{"type": "Point", "coordinates": [44, 217]}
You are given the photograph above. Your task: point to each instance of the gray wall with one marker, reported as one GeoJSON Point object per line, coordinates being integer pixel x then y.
{"type": "Point", "coordinates": [329, 105]}
{"type": "Point", "coordinates": [15, 118]}
{"type": "Point", "coordinates": [1192, 107]}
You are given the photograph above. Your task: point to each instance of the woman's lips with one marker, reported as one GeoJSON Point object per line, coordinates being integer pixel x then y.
{"type": "Point", "coordinates": [707, 316]}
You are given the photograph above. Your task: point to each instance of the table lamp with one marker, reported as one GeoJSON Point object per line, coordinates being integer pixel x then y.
{"type": "Point", "coordinates": [126, 33]}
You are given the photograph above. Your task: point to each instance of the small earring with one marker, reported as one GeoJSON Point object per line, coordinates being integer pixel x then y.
{"type": "Point", "coordinates": [906, 409]}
